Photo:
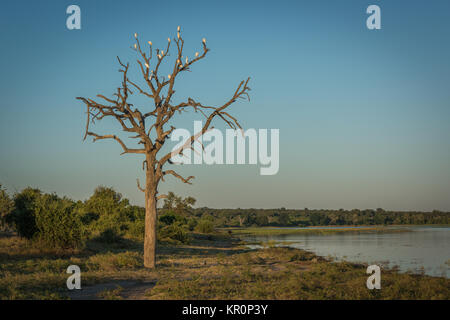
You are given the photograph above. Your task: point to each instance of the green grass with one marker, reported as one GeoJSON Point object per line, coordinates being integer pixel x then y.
{"type": "Point", "coordinates": [272, 231]}
{"type": "Point", "coordinates": [213, 266]}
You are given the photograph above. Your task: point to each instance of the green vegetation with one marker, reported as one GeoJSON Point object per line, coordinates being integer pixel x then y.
{"type": "Point", "coordinates": [213, 266]}
{"type": "Point", "coordinates": [268, 231]}
{"type": "Point", "coordinates": [52, 222]}
{"type": "Point", "coordinates": [108, 217]}
{"type": "Point", "coordinates": [321, 217]}
{"type": "Point", "coordinates": [200, 254]}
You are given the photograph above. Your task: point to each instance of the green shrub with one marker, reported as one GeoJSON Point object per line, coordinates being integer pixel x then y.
{"type": "Point", "coordinates": [57, 224]}
{"type": "Point", "coordinates": [6, 207]}
{"type": "Point", "coordinates": [22, 218]}
{"type": "Point", "coordinates": [106, 209]}
{"type": "Point", "coordinates": [136, 229]}
{"type": "Point", "coordinates": [192, 223]}
{"type": "Point", "coordinates": [204, 226]}
{"type": "Point", "coordinates": [174, 233]}
{"type": "Point", "coordinates": [171, 218]}
{"type": "Point", "coordinates": [109, 236]}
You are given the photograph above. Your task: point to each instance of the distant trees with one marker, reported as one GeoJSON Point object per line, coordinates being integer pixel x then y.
{"type": "Point", "coordinates": [178, 204]}
{"type": "Point", "coordinates": [107, 216]}
{"type": "Point", "coordinates": [262, 220]}
{"type": "Point", "coordinates": [284, 219]}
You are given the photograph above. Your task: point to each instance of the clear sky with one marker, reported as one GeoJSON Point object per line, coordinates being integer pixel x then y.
{"type": "Point", "coordinates": [363, 115]}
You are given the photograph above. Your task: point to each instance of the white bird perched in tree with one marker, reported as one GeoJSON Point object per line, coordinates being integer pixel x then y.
{"type": "Point", "coordinates": [150, 43]}
{"type": "Point", "coordinates": [162, 52]}
{"type": "Point", "coordinates": [135, 46]}
{"type": "Point", "coordinates": [168, 39]}
{"type": "Point", "coordinates": [168, 76]}
{"type": "Point", "coordinates": [135, 35]}
{"type": "Point", "coordinates": [159, 56]}
{"type": "Point", "coordinates": [187, 60]}
{"type": "Point", "coordinates": [147, 66]}
{"type": "Point", "coordinates": [196, 54]}
{"type": "Point", "coordinates": [204, 40]}
{"type": "Point", "coordinates": [178, 35]}
{"type": "Point", "coordinates": [178, 29]}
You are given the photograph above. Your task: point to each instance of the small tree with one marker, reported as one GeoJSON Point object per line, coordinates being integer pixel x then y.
{"type": "Point", "coordinates": [151, 127]}
{"type": "Point", "coordinates": [23, 217]}
{"type": "Point", "coordinates": [6, 207]}
{"type": "Point", "coordinates": [178, 204]}
{"type": "Point", "coordinates": [57, 223]}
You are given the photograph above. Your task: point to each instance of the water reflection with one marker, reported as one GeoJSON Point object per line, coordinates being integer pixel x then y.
{"type": "Point", "coordinates": [424, 249]}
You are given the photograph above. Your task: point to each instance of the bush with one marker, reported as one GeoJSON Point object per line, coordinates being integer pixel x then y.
{"type": "Point", "coordinates": [6, 207]}
{"type": "Point", "coordinates": [171, 218]}
{"type": "Point", "coordinates": [192, 223]}
{"type": "Point", "coordinates": [136, 229]}
{"type": "Point", "coordinates": [46, 218]}
{"type": "Point", "coordinates": [204, 226]}
{"type": "Point", "coordinates": [57, 224]}
{"type": "Point", "coordinates": [22, 218]}
{"type": "Point", "coordinates": [107, 211]}
{"type": "Point", "coordinates": [173, 228]}
{"type": "Point", "coordinates": [174, 233]}
{"type": "Point", "coordinates": [109, 236]}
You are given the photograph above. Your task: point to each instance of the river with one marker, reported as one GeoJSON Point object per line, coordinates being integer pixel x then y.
{"type": "Point", "coordinates": [423, 249]}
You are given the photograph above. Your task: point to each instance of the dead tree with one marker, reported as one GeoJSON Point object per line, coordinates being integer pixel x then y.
{"type": "Point", "coordinates": [151, 127]}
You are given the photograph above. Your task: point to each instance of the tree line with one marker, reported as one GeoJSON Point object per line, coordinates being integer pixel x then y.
{"type": "Point", "coordinates": [320, 217]}
{"type": "Point", "coordinates": [106, 216]}
{"type": "Point", "coordinates": [51, 221]}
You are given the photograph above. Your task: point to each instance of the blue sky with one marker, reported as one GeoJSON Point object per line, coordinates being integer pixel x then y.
{"type": "Point", "coordinates": [363, 115]}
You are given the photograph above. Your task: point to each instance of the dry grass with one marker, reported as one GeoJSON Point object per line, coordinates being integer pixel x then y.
{"type": "Point", "coordinates": [212, 267]}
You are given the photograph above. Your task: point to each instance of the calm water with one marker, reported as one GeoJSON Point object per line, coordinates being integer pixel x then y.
{"type": "Point", "coordinates": [424, 248]}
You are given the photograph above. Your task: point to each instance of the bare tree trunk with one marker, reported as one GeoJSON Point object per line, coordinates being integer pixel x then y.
{"type": "Point", "coordinates": [133, 120]}
{"type": "Point", "coordinates": [150, 221]}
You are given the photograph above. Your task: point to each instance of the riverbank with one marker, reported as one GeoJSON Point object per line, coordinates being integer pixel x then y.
{"type": "Point", "coordinates": [217, 266]}
{"type": "Point", "coordinates": [319, 230]}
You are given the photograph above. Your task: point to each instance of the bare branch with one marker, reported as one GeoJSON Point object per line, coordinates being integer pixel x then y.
{"type": "Point", "coordinates": [112, 136]}
{"type": "Point", "coordinates": [139, 185]}
{"type": "Point", "coordinates": [160, 91]}
{"type": "Point", "coordinates": [162, 196]}
{"type": "Point", "coordinates": [176, 175]}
